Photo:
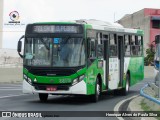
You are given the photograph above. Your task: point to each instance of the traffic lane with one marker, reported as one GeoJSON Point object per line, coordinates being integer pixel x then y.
{"type": "Point", "coordinates": [66, 103]}
{"type": "Point", "coordinates": [56, 103]}
{"type": "Point", "coordinates": [60, 103]}
{"type": "Point", "coordinates": [10, 89]}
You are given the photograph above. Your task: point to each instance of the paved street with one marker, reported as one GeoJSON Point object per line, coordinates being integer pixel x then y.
{"type": "Point", "coordinates": [12, 99]}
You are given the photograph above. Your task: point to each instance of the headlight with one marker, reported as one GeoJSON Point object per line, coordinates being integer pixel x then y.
{"type": "Point", "coordinates": [81, 78]}
{"type": "Point", "coordinates": [27, 79]}
{"type": "Point", "coordinates": [75, 81]}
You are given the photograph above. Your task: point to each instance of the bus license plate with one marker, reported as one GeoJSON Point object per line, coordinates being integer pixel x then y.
{"type": "Point", "coordinates": [51, 88]}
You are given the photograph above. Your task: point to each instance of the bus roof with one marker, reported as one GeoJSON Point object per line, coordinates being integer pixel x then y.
{"type": "Point", "coordinates": [99, 25]}
{"type": "Point", "coordinates": [107, 26]}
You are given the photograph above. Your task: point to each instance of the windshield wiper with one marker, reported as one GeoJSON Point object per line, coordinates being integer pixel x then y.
{"type": "Point", "coordinates": [64, 42]}
{"type": "Point", "coordinates": [45, 44]}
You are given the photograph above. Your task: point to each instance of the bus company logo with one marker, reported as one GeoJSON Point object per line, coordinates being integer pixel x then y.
{"type": "Point", "coordinates": [14, 16]}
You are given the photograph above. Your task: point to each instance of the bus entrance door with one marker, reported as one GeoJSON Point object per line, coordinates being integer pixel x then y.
{"type": "Point", "coordinates": [106, 60]}
{"type": "Point", "coordinates": [121, 59]}
{"type": "Point", "coordinates": [116, 61]}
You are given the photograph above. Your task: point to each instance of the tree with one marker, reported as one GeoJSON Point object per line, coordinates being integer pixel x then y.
{"type": "Point", "coordinates": [149, 59]}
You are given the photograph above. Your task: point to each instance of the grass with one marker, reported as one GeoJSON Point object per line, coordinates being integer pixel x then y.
{"type": "Point", "coordinates": [145, 107]}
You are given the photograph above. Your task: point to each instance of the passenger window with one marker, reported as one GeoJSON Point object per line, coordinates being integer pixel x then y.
{"type": "Point", "coordinates": [127, 45]}
{"type": "Point", "coordinates": [132, 40]}
{"type": "Point", "coordinates": [139, 40]}
{"type": "Point", "coordinates": [136, 49]}
{"type": "Point", "coordinates": [113, 45]}
{"type": "Point", "coordinates": [99, 35]}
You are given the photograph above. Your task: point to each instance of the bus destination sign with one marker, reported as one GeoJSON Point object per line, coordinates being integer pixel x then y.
{"type": "Point", "coordinates": [56, 29]}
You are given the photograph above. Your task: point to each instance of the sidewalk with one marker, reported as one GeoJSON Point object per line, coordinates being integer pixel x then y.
{"type": "Point", "coordinates": [145, 102]}
{"type": "Point", "coordinates": [136, 105]}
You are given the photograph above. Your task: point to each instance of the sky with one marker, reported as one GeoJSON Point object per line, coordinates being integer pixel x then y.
{"type": "Point", "coordinates": [55, 10]}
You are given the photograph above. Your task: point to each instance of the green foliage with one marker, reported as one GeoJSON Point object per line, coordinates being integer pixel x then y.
{"type": "Point", "coordinates": [144, 106]}
{"type": "Point", "coordinates": [148, 60]}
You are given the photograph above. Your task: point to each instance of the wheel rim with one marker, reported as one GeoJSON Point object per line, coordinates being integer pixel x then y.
{"type": "Point", "coordinates": [98, 90]}
{"type": "Point", "coordinates": [127, 86]}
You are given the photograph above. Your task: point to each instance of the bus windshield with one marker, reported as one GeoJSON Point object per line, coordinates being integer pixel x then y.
{"type": "Point", "coordinates": [54, 52]}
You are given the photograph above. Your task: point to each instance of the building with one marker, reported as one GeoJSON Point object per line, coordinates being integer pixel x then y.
{"type": "Point", "coordinates": [1, 22]}
{"type": "Point", "coordinates": [146, 19]}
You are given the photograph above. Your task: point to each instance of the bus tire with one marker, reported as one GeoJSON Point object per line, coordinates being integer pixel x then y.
{"type": "Point", "coordinates": [43, 97]}
{"type": "Point", "coordinates": [95, 97]}
{"type": "Point", "coordinates": [124, 91]}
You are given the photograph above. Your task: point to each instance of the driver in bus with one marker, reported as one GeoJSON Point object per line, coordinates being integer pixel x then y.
{"type": "Point", "coordinates": [65, 52]}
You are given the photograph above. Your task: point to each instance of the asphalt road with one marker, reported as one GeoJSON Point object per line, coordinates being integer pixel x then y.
{"type": "Point", "coordinates": [12, 99]}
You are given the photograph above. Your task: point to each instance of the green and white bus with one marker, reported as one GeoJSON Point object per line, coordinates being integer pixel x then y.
{"type": "Point", "coordinates": [83, 57]}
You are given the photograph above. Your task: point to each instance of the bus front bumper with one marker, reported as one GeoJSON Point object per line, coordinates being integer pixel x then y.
{"type": "Point", "coordinates": [79, 89]}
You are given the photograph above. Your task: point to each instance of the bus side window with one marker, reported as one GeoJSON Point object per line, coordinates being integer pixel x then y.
{"type": "Point", "coordinates": [99, 45]}
{"type": "Point", "coordinates": [136, 47]}
{"type": "Point", "coordinates": [140, 44]}
{"type": "Point", "coordinates": [127, 45]}
{"type": "Point", "coordinates": [133, 40]}
{"type": "Point", "coordinates": [92, 48]}
{"type": "Point", "coordinates": [99, 38]}
{"type": "Point", "coordinates": [113, 45]}
{"type": "Point", "coordinates": [134, 51]}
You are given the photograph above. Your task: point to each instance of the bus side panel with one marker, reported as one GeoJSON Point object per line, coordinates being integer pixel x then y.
{"type": "Point", "coordinates": [136, 68]}
{"type": "Point", "coordinates": [140, 68]}
{"type": "Point", "coordinates": [126, 68]}
{"type": "Point", "coordinates": [91, 74]}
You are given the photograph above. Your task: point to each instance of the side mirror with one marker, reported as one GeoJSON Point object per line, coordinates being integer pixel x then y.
{"type": "Point", "coordinates": [19, 46]}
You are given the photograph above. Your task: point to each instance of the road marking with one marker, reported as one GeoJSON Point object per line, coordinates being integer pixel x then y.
{"type": "Point", "coordinates": [11, 89]}
{"type": "Point", "coordinates": [116, 108]}
{"type": "Point", "coordinates": [11, 96]}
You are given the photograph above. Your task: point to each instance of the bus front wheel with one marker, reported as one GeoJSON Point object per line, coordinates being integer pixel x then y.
{"type": "Point", "coordinates": [43, 97]}
{"type": "Point", "coordinates": [95, 97]}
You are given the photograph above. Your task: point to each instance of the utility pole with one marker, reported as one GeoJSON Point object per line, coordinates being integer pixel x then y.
{"type": "Point", "coordinates": [1, 22]}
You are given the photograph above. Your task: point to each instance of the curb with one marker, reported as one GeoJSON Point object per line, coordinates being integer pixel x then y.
{"type": "Point", "coordinates": [134, 105]}
{"type": "Point", "coordinates": [147, 96]}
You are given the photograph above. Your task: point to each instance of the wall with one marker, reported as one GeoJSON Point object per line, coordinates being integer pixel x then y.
{"type": "Point", "coordinates": [138, 20]}
{"type": "Point", "coordinates": [142, 20]}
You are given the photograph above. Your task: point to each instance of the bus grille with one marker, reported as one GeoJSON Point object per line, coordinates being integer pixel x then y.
{"type": "Point", "coordinates": [51, 72]}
